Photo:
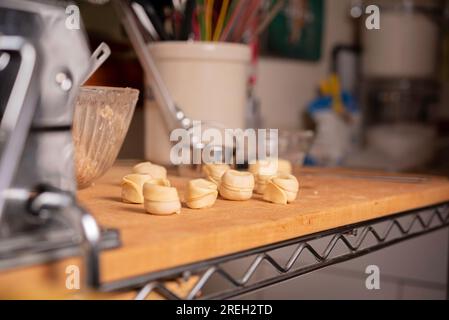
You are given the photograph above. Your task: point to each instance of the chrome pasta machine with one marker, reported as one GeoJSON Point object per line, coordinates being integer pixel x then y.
{"type": "Point", "coordinates": [42, 64]}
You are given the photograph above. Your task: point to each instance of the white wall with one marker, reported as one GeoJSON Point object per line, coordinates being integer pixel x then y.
{"type": "Point", "coordinates": [286, 86]}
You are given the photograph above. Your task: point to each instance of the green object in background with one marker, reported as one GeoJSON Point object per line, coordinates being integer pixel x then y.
{"type": "Point", "coordinates": [284, 40]}
{"type": "Point", "coordinates": [201, 18]}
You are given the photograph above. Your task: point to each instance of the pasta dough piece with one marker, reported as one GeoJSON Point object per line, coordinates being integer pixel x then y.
{"type": "Point", "coordinates": [132, 188]}
{"type": "Point", "coordinates": [275, 194]}
{"type": "Point", "coordinates": [214, 172]}
{"type": "Point", "coordinates": [267, 167]}
{"type": "Point", "coordinates": [289, 184]}
{"type": "Point", "coordinates": [284, 167]}
{"type": "Point", "coordinates": [157, 172]}
{"type": "Point", "coordinates": [261, 183]}
{"type": "Point", "coordinates": [163, 208]}
{"type": "Point", "coordinates": [160, 198]}
{"type": "Point", "coordinates": [263, 171]}
{"type": "Point", "coordinates": [282, 189]}
{"type": "Point", "coordinates": [271, 166]}
{"type": "Point", "coordinates": [236, 186]}
{"type": "Point", "coordinates": [201, 194]}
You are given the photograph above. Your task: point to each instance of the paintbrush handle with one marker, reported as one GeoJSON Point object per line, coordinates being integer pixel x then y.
{"type": "Point", "coordinates": [247, 20]}
{"type": "Point", "coordinates": [232, 20]}
{"type": "Point", "coordinates": [201, 18]}
{"type": "Point", "coordinates": [269, 17]}
{"type": "Point", "coordinates": [154, 18]}
{"type": "Point", "coordinates": [187, 22]}
{"type": "Point", "coordinates": [221, 20]}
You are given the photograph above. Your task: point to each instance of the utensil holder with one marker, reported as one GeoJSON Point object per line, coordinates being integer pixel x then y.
{"type": "Point", "coordinates": [208, 80]}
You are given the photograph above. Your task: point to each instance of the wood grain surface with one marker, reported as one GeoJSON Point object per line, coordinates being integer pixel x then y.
{"type": "Point", "coordinates": [152, 243]}
{"type": "Point", "coordinates": [328, 198]}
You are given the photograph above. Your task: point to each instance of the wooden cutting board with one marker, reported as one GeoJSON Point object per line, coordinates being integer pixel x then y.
{"type": "Point", "coordinates": [328, 199]}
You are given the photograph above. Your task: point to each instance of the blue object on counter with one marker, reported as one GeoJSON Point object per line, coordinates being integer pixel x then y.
{"type": "Point", "coordinates": [336, 137]}
{"type": "Point", "coordinates": [325, 103]}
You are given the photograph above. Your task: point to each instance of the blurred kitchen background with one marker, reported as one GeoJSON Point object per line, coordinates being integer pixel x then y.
{"type": "Point", "coordinates": [375, 99]}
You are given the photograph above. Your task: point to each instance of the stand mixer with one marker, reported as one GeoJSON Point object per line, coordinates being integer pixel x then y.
{"type": "Point", "coordinates": [42, 65]}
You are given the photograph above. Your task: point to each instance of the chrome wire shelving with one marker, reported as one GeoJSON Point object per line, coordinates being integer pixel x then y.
{"type": "Point", "coordinates": [304, 255]}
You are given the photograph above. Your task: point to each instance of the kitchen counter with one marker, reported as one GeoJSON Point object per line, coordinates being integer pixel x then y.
{"type": "Point", "coordinates": [328, 199]}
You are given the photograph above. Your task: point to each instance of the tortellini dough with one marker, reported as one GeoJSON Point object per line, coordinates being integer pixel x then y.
{"type": "Point", "coordinates": [160, 198]}
{"type": "Point", "coordinates": [132, 188]}
{"type": "Point", "coordinates": [284, 167]}
{"type": "Point", "coordinates": [214, 172]}
{"type": "Point", "coordinates": [236, 186]}
{"type": "Point", "coordinates": [271, 166]}
{"type": "Point", "coordinates": [155, 171]}
{"type": "Point", "coordinates": [201, 194]}
{"type": "Point", "coordinates": [282, 189]}
{"type": "Point", "coordinates": [263, 171]}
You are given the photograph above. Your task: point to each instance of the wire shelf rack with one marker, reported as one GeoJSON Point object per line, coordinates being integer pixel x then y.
{"type": "Point", "coordinates": [304, 255]}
